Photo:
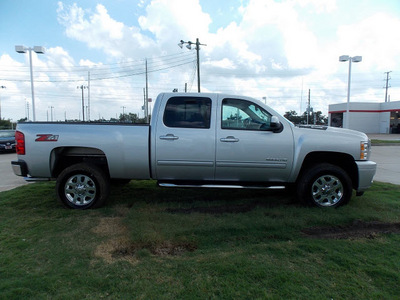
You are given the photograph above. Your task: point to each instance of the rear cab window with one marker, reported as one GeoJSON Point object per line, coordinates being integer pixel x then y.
{"type": "Point", "coordinates": [188, 112]}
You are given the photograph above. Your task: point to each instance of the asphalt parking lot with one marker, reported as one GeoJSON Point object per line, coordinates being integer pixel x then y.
{"type": "Point", "coordinates": [387, 158]}
{"type": "Point", "coordinates": [8, 180]}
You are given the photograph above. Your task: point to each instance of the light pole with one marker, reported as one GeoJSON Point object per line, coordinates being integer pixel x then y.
{"type": "Point", "coordinates": [189, 46]}
{"type": "Point", "coordinates": [82, 87]}
{"type": "Point", "coordinates": [51, 113]}
{"type": "Point", "coordinates": [39, 50]}
{"type": "Point", "coordinates": [355, 59]}
{"type": "Point", "coordinates": [1, 87]}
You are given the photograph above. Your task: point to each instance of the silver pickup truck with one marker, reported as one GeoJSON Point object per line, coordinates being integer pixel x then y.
{"type": "Point", "coordinates": [197, 140]}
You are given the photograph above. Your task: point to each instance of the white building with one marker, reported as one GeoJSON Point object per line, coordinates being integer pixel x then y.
{"type": "Point", "coordinates": [367, 117]}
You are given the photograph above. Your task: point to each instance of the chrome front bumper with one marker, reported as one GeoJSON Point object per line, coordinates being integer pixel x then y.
{"type": "Point", "coordinates": [366, 172]}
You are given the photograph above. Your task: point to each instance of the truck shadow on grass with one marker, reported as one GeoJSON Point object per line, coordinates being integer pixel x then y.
{"type": "Point", "coordinates": [276, 205]}
{"type": "Point", "coordinates": [226, 200]}
{"type": "Point", "coordinates": [151, 199]}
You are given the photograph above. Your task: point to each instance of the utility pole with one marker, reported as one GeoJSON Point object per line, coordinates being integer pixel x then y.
{"type": "Point", "coordinates": [197, 48]}
{"type": "Point", "coordinates": [308, 105]}
{"type": "Point", "coordinates": [82, 87]}
{"type": "Point", "coordinates": [146, 108]}
{"type": "Point", "coordinates": [51, 113]}
{"type": "Point", "coordinates": [88, 111]}
{"type": "Point", "coordinates": [123, 113]}
{"type": "Point", "coordinates": [144, 102]}
{"type": "Point", "coordinates": [1, 87]}
{"type": "Point", "coordinates": [198, 64]}
{"type": "Point", "coordinates": [387, 85]}
{"type": "Point", "coordinates": [27, 110]}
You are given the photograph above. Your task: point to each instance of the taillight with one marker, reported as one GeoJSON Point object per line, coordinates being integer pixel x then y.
{"type": "Point", "coordinates": [20, 143]}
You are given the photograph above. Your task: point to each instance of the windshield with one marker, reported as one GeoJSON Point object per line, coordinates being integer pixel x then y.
{"type": "Point", "coordinates": [7, 133]}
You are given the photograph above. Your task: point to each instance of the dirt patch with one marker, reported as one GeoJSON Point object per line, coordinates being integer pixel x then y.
{"type": "Point", "coordinates": [110, 226]}
{"type": "Point", "coordinates": [119, 247]}
{"type": "Point", "coordinates": [107, 249]}
{"type": "Point", "coordinates": [358, 229]}
{"type": "Point", "coordinates": [163, 249]}
{"type": "Point", "coordinates": [117, 238]}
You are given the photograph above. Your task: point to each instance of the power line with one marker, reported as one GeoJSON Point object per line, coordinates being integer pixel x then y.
{"type": "Point", "coordinates": [131, 68]}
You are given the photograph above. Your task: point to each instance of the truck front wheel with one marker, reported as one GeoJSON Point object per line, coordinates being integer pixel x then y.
{"type": "Point", "coordinates": [82, 186]}
{"type": "Point", "coordinates": [324, 185]}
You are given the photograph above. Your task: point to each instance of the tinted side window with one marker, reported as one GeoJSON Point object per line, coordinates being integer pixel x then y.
{"type": "Point", "coordinates": [188, 112]}
{"type": "Point", "coordinates": [244, 115]}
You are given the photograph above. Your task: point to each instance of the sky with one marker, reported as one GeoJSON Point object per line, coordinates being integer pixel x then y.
{"type": "Point", "coordinates": [279, 52]}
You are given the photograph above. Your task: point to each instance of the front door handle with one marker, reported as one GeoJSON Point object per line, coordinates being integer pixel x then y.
{"type": "Point", "coordinates": [229, 139]}
{"type": "Point", "coordinates": [169, 137]}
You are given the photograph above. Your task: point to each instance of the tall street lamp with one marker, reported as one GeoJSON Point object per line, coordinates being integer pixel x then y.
{"type": "Point", "coordinates": [189, 46]}
{"type": "Point", "coordinates": [355, 59]}
{"type": "Point", "coordinates": [39, 50]}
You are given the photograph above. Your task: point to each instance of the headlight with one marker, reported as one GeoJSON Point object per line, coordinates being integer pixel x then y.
{"type": "Point", "coordinates": [365, 148]}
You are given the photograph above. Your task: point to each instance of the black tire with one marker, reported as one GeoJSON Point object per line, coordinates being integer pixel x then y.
{"type": "Point", "coordinates": [324, 185]}
{"type": "Point", "coordinates": [82, 186]}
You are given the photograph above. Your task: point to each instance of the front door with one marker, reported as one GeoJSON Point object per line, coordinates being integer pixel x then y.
{"type": "Point", "coordinates": [185, 140]}
{"type": "Point", "coordinates": [247, 148]}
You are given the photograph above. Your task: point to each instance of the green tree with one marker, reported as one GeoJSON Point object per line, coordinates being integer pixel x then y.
{"type": "Point", "coordinates": [7, 124]}
{"type": "Point", "coordinates": [131, 118]}
{"type": "Point", "coordinates": [292, 116]}
{"type": "Point", "coordinates": [320, 119]}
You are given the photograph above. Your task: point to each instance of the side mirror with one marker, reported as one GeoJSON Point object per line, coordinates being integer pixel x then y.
{"type": "Point", "coordinates": [276, 126]}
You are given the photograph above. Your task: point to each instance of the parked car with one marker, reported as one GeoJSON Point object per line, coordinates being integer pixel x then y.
{"type": "Point", "coordinates": [7, 140]}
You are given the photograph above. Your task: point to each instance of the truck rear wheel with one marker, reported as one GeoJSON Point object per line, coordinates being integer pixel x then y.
{"type": "Point", "coordinates": [324, 185]}
{"type": "Point", "coordinates": [82, 186]}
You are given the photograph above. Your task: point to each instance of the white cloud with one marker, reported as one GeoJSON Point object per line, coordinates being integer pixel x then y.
{"type": "Point", "coordinates": [99, 26]}
{"type": "Point", "coordinates": [224, 63]}
{"type": "Point", "coordinates": [98, 30]}
{"type": "Point", "coordinates": [375, 38]}
{"type": "Point", "coordinates": [319, 6]}
{"type": "Point", "coordinates": [167, 19]}
{"type": "Point", "coordinates": [270, 49]}
{"type": "Point", "coordinates": [278, 25]}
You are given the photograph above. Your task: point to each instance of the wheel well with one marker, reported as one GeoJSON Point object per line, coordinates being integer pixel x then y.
{"type": "Point", "coordinates": [64, 157]}
{"type": "Point", "coordinates": [342, 160]}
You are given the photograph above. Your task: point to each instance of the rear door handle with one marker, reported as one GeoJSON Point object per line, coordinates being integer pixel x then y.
{"type": "Point", "coordinates": [169, 137]}
{"type": "Point", "coordinates": [229, 139]}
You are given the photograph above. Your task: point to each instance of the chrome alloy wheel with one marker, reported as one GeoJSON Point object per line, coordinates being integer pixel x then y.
{"type": "Point", "coordinates": [80, 189]}
{"type": "Point", "coordinates": [327, 190]}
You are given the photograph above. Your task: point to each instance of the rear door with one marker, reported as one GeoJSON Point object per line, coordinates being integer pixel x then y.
{"type": "Point", "coordinates": [247, 148]}
{"type": "Point", "coordinates": [185, 139]}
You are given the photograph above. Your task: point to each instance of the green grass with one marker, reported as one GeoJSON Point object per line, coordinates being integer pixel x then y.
{"type": "Point", "coordinates": [153, 243]}
{"type": "Point", "coordinates": [376, 142]}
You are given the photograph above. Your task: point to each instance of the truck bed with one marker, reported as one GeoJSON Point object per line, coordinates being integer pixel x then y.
{"type": "Point", "coordinates": [124, 146]}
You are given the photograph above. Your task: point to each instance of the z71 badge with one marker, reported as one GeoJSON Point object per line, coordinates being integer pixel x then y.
{"type": "Point", "coordinates": [46, 138]}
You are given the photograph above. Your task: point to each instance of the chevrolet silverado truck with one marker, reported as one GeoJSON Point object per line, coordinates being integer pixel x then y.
{"type": "Point", "coordinates": [197, 140]}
